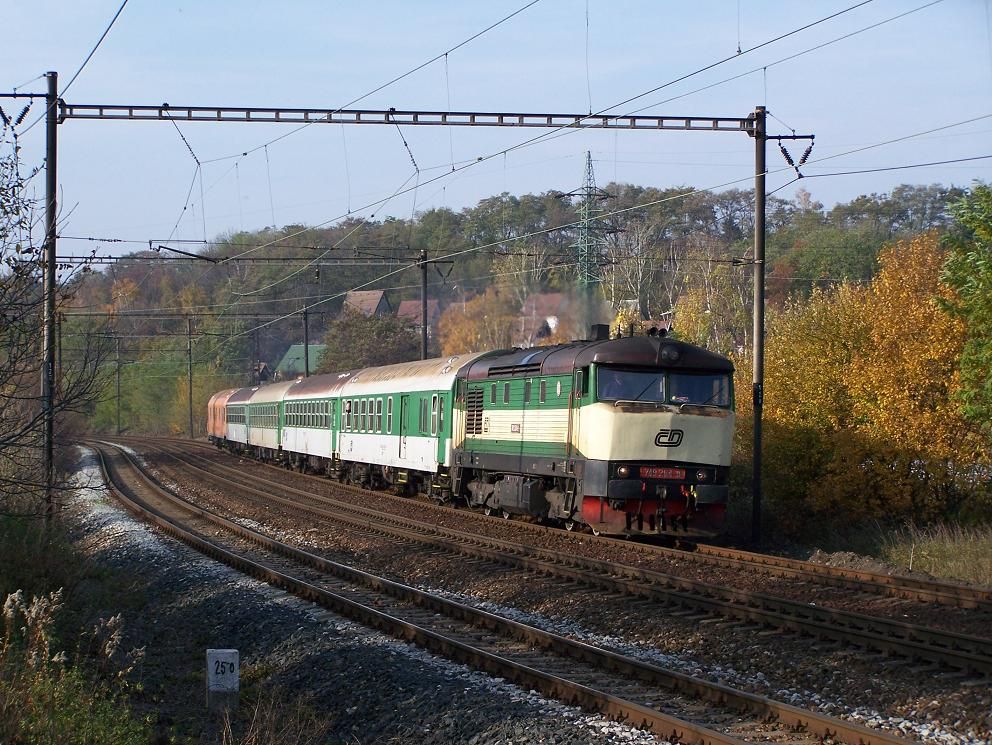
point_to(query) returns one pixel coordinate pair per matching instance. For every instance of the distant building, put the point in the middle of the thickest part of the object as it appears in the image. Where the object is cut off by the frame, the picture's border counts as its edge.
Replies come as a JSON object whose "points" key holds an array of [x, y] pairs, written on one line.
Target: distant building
{"points": [[368, 302], [410, 310], [291, 364]]}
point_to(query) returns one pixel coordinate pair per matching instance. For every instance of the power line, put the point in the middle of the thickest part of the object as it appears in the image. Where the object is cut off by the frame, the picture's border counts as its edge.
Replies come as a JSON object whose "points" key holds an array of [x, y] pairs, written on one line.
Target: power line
{"points": [[95, 47], [85, 62], [792, 57], [396, 79], [544, 136]]}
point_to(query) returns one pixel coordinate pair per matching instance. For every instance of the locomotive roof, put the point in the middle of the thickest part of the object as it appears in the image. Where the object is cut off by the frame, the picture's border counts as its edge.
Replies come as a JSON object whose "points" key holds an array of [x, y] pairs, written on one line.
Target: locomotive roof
{"points": [[633, 351]]}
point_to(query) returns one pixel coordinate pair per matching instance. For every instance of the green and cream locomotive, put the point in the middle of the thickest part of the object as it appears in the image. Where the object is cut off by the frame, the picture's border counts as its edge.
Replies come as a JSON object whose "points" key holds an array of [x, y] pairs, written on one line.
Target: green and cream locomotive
{"points": [[629, 436]]}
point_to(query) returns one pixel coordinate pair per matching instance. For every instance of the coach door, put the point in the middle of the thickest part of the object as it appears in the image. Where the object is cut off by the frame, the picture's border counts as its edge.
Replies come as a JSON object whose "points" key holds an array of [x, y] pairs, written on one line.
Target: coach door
{"points": [[404, 424]]}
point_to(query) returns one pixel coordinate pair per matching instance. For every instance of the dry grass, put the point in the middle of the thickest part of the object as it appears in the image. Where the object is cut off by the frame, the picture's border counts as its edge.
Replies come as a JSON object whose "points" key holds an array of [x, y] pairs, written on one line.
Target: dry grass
{"points": [[277, 718], [946, 551], [46, 699]]}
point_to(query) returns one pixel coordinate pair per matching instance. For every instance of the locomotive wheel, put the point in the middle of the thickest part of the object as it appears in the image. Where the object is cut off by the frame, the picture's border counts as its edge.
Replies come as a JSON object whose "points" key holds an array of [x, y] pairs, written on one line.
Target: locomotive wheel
{"points": [[570, 525], [594, 531], [488, 511], [506, 515]]}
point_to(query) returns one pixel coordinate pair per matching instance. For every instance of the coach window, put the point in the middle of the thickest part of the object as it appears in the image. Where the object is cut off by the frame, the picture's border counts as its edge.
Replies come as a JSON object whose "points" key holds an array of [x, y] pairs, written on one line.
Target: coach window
{"points": [[492, 393], [363, 422], [440, 414], [347, 414], [543, 395], [434, 414], [506, 393], [378, 415], [389, 415], [527, 391]]}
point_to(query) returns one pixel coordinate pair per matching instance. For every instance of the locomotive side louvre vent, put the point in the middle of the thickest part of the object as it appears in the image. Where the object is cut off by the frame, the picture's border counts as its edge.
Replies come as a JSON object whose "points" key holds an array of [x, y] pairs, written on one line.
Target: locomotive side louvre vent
{"points": [[531, 369], [473, 411]]}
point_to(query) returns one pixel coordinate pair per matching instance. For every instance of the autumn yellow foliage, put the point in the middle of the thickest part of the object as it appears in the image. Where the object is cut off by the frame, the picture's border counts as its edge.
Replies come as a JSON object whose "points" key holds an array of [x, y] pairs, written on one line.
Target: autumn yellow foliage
{"points": [[482, 323], [860, 417]]}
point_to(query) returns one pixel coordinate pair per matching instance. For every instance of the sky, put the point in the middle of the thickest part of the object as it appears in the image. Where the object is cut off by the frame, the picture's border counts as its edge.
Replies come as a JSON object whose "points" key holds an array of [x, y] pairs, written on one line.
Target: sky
{"points": [[879, 91]]}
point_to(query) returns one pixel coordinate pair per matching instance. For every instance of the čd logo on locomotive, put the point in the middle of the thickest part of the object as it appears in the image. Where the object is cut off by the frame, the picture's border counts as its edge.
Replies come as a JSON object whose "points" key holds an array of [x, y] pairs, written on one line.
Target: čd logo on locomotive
{"points": [[668, 438]]}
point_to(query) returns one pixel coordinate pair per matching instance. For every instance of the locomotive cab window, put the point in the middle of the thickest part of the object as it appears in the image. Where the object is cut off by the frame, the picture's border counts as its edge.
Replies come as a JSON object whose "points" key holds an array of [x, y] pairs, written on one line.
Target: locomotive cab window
{"points": [[506, 393], [527, 386], [700, 389], [543, 393], [630, 385]]}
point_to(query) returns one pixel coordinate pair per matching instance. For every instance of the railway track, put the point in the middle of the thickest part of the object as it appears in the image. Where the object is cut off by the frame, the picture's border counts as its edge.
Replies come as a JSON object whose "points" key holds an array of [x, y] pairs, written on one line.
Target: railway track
{"points": [[667, 703], [897, 586], [900, 642]]}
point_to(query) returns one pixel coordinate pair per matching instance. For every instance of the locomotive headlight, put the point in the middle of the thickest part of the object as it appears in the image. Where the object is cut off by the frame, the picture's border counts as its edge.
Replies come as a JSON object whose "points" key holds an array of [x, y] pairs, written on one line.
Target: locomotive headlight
{"points": [[623, 471], [670, 353], [702, 475]]}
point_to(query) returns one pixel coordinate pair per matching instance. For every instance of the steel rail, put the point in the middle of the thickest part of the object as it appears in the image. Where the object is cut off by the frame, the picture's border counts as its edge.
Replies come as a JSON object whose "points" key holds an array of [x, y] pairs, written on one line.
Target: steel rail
{"points": [[615, 706], [909, 588], [895, 585], [963, 652]]}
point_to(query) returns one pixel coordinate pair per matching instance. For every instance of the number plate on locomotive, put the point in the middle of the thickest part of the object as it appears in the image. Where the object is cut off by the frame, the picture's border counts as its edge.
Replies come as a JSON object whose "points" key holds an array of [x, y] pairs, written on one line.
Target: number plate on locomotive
{"points": [[655, 472]]}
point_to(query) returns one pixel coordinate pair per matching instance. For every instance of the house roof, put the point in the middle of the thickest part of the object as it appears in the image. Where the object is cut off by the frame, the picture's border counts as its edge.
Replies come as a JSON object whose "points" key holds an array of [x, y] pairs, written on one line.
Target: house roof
{"points": [[367, 302], [292, 361], [410, 310]]}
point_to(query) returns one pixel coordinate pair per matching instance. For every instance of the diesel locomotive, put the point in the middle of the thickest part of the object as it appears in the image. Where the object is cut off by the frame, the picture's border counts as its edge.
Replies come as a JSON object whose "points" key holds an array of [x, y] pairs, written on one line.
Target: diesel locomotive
{"points": [[625, 436]]}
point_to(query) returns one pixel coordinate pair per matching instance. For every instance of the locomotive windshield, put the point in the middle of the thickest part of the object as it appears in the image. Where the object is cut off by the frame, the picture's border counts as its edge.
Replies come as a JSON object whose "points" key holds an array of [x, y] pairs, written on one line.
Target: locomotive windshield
{"points": [[628, 385], [703, 389]]}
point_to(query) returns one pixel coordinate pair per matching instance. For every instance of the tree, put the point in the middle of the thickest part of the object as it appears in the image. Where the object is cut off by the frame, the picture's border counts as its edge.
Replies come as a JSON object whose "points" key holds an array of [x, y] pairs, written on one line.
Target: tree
{"points": [[355, 340], [485, 322], [23, 477], [861, 416], [969, 271]]}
